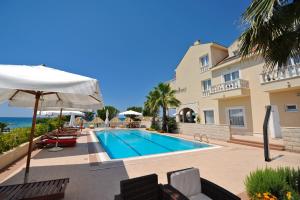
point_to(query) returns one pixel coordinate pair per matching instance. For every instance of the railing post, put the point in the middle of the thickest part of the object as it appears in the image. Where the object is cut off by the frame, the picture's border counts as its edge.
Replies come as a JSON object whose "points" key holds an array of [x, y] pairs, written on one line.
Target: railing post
{"points": [[263, 78]]}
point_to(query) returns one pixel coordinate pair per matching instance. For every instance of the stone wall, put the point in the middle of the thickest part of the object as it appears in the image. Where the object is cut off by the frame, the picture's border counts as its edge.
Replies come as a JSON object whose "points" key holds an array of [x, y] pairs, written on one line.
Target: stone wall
{"points": [[11, 156], [218, 132], [291, 138], [146, 124]]}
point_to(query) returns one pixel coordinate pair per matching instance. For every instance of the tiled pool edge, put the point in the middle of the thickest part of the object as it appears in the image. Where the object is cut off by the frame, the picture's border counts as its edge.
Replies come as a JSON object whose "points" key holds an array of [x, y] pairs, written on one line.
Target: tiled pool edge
{"points": [[104, 157]]}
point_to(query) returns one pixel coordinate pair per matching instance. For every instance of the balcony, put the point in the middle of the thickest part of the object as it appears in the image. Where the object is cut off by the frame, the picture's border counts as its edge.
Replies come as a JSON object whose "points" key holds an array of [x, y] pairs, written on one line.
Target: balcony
{"points": [[206, 93], [205, 68], [281, 79], [229, 89]]}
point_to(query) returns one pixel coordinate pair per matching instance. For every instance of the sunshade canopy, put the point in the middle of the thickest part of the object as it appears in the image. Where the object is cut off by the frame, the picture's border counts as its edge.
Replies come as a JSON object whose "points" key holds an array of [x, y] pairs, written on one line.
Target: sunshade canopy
{"points": [[130, 112], [40, 86], [115, 119], [127, 119], [64, 112], [78, 120], [97, 120], [58, 88]]}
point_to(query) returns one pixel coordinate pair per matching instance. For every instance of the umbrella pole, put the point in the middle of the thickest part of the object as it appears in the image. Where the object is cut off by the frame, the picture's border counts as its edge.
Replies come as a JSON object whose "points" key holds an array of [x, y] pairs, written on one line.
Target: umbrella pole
{"points": [[59, 119], [37, 99], [57, 148], [59, 128]]}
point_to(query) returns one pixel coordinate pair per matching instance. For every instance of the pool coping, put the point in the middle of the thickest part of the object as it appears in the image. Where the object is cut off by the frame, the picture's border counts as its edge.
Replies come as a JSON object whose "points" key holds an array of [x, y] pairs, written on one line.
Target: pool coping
{"points": [[104, 157]]}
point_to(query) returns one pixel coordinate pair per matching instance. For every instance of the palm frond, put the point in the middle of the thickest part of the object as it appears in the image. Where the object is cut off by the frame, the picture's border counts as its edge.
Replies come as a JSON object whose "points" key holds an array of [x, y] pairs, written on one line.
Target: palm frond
{"points": [[273, 32]]}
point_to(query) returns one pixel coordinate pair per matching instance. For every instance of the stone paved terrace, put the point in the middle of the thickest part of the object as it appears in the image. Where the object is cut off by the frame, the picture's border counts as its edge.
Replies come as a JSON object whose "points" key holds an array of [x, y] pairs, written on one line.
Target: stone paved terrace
{"points": [[226, 166]]}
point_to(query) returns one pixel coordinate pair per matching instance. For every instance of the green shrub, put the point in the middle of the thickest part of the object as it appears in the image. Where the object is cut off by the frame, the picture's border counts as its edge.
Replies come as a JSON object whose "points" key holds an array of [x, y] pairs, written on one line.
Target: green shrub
{"points": [[20, 135], [150, 129], [278, 182], [155, 126], [172, 124], [291, 176]]}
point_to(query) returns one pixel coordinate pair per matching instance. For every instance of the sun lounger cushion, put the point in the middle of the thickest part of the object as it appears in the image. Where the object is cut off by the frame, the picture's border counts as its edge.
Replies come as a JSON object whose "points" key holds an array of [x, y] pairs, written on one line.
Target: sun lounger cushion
{"points": [[199, 196], [187, 181]]}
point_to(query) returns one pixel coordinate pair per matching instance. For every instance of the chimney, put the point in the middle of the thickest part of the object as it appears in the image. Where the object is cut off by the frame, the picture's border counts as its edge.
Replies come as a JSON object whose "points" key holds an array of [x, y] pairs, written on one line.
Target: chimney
{"points": [[197, 42]]}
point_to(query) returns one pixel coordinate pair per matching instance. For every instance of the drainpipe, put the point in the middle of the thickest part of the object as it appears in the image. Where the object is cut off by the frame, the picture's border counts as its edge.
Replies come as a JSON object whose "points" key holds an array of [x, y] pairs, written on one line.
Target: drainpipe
{"points": [[265, 134]]}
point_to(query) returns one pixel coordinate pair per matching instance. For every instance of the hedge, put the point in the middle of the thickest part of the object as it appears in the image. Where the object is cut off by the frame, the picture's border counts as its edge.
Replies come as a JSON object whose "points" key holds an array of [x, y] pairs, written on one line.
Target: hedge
{"points": [[20, 135]]}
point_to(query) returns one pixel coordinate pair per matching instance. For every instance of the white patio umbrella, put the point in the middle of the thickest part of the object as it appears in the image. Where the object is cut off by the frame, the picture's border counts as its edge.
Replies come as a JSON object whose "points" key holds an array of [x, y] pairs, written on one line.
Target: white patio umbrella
{"points": [[36, 86], [130, 112], [57, 112]]}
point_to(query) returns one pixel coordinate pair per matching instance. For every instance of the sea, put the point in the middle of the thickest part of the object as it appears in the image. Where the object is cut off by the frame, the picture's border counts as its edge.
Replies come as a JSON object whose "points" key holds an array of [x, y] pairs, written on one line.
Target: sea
{"points": [[17, 122]]}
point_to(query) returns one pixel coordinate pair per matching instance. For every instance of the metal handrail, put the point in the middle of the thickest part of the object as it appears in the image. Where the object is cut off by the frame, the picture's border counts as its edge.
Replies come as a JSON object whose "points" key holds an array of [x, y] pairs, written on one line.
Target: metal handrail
{"points": [[201, 136]]}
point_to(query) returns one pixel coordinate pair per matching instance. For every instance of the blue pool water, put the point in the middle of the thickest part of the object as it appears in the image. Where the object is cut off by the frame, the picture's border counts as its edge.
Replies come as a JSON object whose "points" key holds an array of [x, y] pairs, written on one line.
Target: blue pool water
{"points": [[131, 143]]}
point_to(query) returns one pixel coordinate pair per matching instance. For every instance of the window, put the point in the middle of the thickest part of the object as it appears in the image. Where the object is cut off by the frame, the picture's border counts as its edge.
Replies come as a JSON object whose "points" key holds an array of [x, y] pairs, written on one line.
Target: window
{"points": [[291, 108], [236, 117], [232, 76], [206, 85], [204, 61], [209, 117]]}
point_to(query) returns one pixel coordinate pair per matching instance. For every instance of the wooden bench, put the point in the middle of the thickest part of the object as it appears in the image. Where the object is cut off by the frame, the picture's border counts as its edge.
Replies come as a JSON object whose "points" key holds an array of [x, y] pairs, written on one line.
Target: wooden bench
{"points": [[51, 189]]}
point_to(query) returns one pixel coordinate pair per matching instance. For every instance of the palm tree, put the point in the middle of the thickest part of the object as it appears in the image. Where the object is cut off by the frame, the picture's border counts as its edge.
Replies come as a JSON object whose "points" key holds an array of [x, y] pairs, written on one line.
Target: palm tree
{"points": [[166, 98], [273, 31], [111, 110], [151, 104]]}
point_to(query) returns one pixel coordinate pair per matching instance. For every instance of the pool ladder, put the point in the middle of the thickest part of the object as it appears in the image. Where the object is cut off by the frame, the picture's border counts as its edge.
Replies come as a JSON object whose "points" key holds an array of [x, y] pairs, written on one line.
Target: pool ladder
{"points": [[200, 137]]}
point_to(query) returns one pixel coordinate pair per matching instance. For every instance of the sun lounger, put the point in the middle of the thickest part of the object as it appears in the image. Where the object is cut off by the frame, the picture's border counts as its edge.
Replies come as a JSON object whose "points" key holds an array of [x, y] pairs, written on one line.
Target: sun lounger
{"points": [[70, 129], [51, 140], [187, 184], [58, 136], [64, 133], [51, 189]]}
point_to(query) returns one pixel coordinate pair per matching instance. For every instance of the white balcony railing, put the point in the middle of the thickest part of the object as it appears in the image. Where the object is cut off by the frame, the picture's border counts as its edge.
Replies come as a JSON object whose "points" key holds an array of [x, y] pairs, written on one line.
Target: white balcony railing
{"points": [[205, 93], [205, 68], [229, 85], [281, 74]]}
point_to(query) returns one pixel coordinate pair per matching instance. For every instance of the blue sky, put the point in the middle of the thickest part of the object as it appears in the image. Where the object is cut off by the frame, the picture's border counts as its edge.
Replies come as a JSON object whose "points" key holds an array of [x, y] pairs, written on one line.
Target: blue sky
{"points": [[113, 40]]}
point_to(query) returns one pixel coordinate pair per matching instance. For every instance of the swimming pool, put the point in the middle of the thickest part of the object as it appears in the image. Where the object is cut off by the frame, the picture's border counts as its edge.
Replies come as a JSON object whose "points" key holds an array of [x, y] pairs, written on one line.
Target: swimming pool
{"points": [[120, 144]]}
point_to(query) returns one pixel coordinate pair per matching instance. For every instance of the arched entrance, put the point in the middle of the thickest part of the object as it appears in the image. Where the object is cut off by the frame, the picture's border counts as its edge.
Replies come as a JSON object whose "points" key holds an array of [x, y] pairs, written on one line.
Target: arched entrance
{"points": [[187, 115]]}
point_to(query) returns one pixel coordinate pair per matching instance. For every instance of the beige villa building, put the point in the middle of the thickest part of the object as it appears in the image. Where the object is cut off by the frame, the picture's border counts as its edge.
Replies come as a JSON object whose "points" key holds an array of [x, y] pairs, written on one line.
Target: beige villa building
{"points": [[216, 87]]}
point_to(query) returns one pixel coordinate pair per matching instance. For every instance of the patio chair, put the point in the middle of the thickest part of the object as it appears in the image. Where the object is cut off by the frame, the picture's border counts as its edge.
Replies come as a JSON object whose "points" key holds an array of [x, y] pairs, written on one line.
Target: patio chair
{"points": [[143, 188], [187, 184], [51, 189]]}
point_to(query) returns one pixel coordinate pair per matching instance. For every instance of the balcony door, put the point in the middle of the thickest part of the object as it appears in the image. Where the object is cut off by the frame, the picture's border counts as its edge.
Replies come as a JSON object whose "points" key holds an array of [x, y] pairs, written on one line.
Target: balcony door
{"points": [[236, 117], [231, 76]]}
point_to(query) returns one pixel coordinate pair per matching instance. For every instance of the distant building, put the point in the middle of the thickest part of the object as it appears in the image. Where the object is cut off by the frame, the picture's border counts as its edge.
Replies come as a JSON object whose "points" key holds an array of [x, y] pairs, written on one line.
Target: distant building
{"points": [[216, 87]]}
